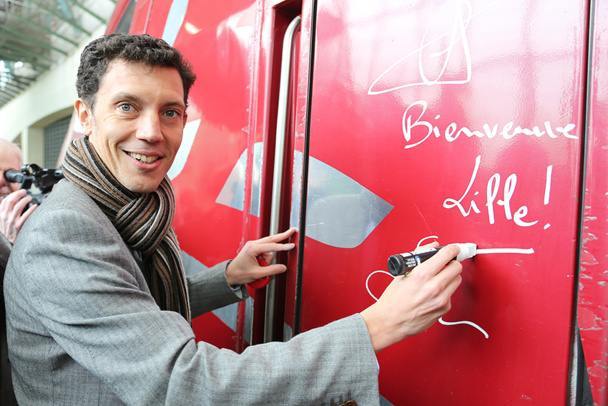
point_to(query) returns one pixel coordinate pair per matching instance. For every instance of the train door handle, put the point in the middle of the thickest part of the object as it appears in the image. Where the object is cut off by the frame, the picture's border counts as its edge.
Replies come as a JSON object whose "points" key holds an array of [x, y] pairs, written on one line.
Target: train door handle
{"points": [[279, 154]]}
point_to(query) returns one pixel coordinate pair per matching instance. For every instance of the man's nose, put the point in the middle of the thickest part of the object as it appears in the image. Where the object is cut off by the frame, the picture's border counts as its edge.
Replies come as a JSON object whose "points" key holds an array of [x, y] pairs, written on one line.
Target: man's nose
{"points": [[149, 128]]}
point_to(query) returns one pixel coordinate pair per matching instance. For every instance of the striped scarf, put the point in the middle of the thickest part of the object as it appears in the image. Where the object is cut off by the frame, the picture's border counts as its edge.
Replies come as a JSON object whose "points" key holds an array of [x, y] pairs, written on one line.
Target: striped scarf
{"points": [[142, 219]]}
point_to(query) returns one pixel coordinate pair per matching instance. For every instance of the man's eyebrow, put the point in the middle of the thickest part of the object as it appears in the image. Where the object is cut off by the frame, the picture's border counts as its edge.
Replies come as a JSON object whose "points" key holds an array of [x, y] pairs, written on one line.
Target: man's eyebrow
{"points": [[177, 103], [123, 96]]}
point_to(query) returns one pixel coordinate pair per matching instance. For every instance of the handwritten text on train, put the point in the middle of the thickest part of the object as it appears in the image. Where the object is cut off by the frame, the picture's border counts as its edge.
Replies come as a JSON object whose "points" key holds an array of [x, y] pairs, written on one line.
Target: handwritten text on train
{"points": [[497, 195], [417, 128]]}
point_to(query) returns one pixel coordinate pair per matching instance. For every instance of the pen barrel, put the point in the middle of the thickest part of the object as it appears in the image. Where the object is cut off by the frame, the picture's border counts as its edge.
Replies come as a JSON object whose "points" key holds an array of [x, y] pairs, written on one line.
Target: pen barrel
{"points": [[399, 264]]}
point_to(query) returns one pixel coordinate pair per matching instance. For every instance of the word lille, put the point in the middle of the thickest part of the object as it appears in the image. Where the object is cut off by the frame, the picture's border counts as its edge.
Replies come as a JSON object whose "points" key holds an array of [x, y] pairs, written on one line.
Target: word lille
{"points": [[492, 197]]}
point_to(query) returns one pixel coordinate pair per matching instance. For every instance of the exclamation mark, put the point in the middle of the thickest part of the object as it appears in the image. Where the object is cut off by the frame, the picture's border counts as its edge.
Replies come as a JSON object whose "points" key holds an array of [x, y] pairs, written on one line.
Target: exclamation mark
{"points": [[548, 190]]}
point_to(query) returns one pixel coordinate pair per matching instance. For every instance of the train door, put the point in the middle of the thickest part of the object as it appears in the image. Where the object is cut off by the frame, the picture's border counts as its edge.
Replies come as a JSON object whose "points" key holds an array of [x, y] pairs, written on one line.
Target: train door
{"points": [[456, 121]]}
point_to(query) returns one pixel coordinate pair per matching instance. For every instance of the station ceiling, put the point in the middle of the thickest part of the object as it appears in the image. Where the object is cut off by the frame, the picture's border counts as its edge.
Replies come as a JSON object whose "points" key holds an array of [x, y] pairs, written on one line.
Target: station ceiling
{"points": [[36, 35]]}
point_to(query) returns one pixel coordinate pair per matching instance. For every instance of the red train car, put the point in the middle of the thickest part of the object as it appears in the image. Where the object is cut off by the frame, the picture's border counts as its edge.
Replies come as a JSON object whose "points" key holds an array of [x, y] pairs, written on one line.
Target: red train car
{"points": [[373, 125]]}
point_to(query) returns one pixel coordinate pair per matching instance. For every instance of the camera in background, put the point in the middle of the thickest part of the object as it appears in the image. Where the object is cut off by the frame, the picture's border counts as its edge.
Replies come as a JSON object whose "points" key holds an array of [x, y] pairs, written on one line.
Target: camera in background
{"points": [[36, 180]]}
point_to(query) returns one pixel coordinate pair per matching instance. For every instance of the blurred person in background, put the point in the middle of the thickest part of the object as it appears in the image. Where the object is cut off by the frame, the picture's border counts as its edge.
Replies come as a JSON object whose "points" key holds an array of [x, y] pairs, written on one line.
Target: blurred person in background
{"points": [[13, 201]]}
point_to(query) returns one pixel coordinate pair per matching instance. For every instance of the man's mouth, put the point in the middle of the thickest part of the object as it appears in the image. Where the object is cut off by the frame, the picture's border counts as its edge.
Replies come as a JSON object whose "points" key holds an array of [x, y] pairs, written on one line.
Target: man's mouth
{"points": [[147, 159]]}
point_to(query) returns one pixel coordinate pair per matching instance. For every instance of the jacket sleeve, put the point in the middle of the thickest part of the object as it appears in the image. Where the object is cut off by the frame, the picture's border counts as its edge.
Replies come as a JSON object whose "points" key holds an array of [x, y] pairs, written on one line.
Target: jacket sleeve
{"points": [[209, 290], [85, 291]]}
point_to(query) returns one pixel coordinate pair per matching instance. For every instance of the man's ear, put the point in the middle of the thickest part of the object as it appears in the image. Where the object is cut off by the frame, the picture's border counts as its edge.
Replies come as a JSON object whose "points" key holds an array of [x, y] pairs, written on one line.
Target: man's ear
{"points": [[85, 115]]}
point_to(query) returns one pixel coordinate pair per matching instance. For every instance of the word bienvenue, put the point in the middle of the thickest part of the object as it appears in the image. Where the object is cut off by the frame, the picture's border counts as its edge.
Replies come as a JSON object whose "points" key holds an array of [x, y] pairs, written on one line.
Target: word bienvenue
{"points": [[417, 128]]}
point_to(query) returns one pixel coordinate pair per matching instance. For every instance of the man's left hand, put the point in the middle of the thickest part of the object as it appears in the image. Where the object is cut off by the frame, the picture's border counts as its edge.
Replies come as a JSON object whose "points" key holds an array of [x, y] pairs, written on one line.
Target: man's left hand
{"points": [[245, 268]]}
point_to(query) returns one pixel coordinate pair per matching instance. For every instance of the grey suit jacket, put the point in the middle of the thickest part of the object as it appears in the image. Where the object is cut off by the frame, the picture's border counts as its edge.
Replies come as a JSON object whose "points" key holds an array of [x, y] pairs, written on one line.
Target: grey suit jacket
{"points": [[83, 329]]}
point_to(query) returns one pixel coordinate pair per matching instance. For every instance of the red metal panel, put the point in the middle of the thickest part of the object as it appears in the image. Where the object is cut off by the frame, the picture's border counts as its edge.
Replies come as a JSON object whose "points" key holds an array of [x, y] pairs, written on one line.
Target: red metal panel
{"points": [[156, 16], [119, 10], [217, 38], [466, 117], [593, 278], [141, 15]]}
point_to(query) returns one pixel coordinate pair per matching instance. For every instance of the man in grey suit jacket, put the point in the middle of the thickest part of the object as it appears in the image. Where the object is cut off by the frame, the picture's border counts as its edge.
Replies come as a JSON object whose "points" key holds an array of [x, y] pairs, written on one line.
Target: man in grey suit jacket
{"points": [[98, 307]]}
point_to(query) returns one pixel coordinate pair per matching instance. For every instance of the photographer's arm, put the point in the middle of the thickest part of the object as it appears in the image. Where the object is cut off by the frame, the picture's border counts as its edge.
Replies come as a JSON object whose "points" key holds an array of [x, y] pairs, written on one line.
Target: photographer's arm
{"points": [[12, 214]]}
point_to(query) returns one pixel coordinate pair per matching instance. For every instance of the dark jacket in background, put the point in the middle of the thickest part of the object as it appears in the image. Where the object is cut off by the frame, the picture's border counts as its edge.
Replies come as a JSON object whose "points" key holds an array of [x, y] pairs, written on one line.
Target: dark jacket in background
{"points": [[7, 397]]}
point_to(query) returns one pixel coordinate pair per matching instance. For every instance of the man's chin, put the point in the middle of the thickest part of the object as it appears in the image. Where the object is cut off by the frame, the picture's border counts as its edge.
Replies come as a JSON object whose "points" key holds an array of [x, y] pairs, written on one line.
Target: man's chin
{"points": [[143, 187]]}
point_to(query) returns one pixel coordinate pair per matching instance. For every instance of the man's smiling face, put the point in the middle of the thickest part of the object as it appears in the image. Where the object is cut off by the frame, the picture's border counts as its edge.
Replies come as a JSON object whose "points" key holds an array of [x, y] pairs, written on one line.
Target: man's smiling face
{"points": [[136, 122]]}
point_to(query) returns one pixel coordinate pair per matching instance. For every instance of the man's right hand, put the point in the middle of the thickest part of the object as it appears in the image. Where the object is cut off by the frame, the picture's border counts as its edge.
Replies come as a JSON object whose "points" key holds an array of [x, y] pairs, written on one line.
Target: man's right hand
{"points": [[411, 304], [12, 215]]}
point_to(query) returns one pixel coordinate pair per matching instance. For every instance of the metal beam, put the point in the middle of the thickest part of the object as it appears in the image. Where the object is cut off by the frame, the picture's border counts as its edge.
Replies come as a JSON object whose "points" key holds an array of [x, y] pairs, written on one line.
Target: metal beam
{"points": [[19, 52], [9, 56], [20, 45], [12, 84], [65, 9], [19, 49], [39, 69], [6, 93], [20, 36], [13, 87], [44, 28], [89, 11], [43, 6], [5, 100], [7, 96], [22, 80], [21, 85]]}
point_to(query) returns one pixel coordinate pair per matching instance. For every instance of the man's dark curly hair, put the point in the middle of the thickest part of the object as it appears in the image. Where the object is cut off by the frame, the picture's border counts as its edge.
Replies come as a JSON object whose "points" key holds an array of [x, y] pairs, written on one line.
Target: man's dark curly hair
{"points": [[144, 49]]}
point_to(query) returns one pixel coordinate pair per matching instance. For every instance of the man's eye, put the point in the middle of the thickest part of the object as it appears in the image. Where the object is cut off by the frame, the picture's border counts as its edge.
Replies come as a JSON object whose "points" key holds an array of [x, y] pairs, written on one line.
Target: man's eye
{"points": [[125, 107], [172, 113]]}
